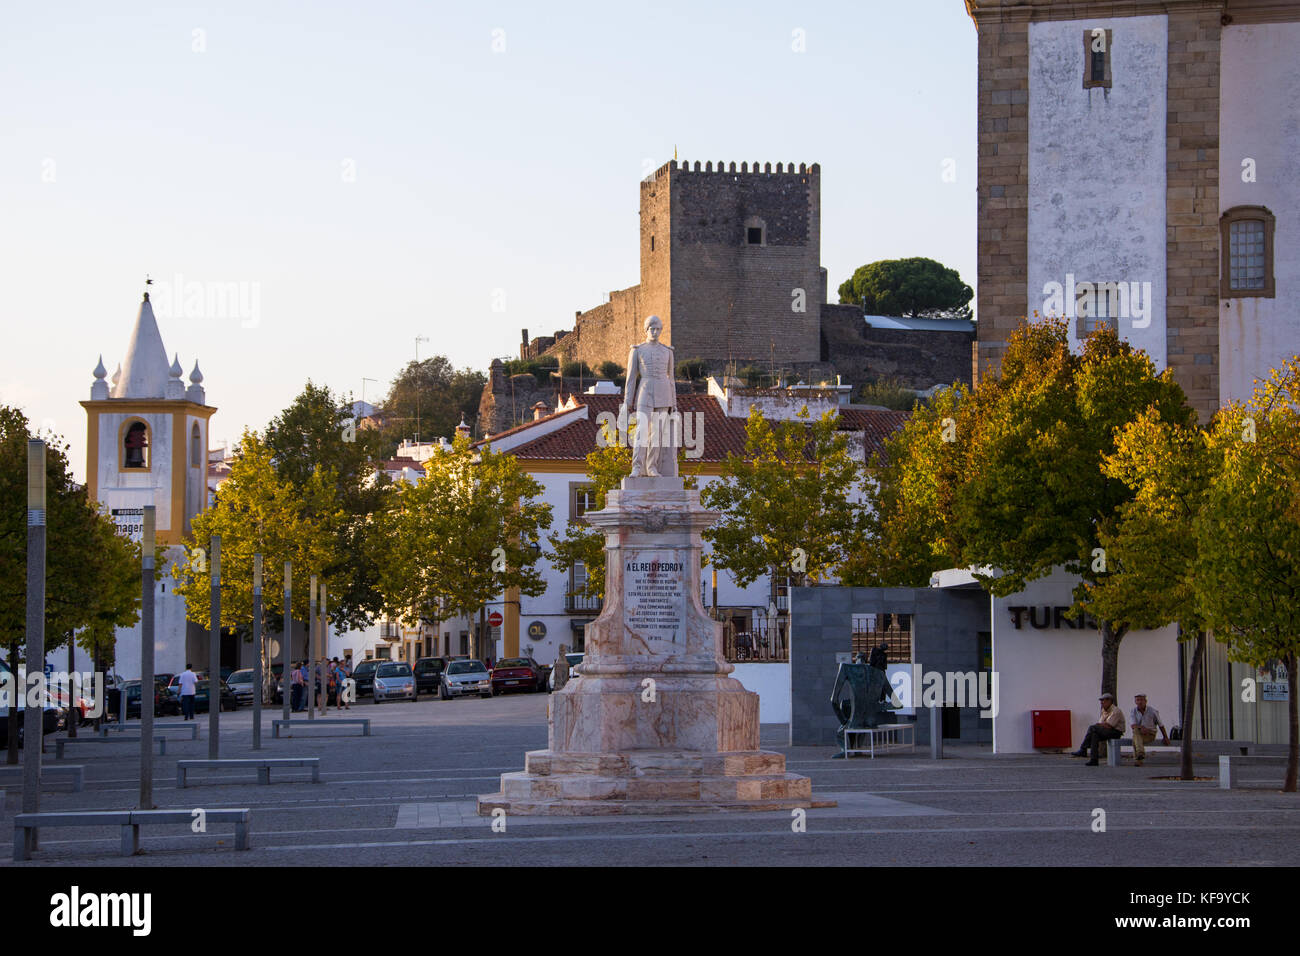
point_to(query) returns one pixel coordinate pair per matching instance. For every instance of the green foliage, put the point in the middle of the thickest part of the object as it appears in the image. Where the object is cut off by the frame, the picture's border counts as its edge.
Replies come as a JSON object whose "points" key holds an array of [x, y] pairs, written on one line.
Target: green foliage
{"points": [[431, 397], [540, 368], [1247, 575], [611, 370], [92, 575], [692, 369], [259, 509], [1008, 478], [788, 504], [578, 370], [313, 439], [888, 393], [906, 529], [754, 377], [1151, 546], [462, 535], [908, 287]]}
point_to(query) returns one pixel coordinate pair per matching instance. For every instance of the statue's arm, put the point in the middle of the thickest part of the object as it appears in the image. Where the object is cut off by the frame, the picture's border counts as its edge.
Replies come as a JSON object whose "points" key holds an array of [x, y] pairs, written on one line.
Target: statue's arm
{"points": [[672, 369], [629, 386]]}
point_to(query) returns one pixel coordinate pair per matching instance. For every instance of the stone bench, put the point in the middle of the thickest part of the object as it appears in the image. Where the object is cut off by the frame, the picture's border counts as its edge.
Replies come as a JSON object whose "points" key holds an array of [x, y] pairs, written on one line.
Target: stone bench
{"points": [[28, 825], [263, 765], [1126, 743], [62, 742], [362, 722], [1229, 765], [75, 771], [192, 727]]}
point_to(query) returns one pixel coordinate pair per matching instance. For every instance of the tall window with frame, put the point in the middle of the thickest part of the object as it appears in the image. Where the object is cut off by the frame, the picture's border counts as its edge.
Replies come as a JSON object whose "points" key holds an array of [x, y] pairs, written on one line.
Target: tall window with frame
{"points": [[582, 498], [1246, 239], [1097, 58]]}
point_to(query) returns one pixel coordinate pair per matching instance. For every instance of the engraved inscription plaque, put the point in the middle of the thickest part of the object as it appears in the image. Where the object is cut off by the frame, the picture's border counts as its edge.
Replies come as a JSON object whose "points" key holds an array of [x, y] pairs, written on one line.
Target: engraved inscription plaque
{"points": [[654, 594]]}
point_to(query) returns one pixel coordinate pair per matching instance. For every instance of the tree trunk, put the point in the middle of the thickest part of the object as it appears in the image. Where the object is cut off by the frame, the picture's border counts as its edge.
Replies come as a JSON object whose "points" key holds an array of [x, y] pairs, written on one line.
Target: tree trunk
{"points": [[1293, 715], [12, 720], [1110, 639], [1189, 707]]}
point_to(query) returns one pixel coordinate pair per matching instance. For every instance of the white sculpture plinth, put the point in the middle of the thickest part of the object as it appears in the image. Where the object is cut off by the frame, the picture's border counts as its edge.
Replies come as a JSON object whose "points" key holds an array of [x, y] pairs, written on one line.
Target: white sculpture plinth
{"points": [[654, 724]]}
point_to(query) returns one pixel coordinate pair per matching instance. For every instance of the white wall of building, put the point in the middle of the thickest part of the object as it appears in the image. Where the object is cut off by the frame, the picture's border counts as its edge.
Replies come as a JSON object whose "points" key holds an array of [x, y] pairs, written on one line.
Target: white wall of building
{"points": [[771, 682], [1097, 166], [1259, 119], [1060, 668]]}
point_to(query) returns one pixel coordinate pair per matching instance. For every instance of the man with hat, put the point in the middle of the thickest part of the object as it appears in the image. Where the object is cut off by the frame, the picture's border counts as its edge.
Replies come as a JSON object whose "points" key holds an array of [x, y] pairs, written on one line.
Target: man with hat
{"points": [[1109, 727]]}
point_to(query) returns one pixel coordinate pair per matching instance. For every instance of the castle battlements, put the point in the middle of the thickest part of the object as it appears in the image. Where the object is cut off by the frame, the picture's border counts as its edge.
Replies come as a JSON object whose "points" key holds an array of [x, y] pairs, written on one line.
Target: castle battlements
{"points": [[782, 169]]}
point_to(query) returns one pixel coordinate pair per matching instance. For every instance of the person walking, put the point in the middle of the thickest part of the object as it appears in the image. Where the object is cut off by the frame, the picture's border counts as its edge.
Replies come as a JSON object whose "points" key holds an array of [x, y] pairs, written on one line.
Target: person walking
{"points": [[1109, 727], [189, 682]]}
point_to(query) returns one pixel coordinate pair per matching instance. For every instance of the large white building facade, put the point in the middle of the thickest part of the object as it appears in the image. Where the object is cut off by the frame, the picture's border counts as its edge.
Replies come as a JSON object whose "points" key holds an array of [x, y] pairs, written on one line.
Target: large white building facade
{"points": [[1139, 165]]}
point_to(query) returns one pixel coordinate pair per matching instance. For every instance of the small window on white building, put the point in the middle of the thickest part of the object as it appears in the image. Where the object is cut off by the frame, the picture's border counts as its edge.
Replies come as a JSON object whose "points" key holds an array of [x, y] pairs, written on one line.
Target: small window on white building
{"points": [[196, 450], [1246, 236]]}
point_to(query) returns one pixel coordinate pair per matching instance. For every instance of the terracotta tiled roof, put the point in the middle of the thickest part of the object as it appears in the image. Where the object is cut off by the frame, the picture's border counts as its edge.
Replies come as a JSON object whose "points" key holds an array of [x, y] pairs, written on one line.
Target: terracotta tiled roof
{"points": [[722, 435]]}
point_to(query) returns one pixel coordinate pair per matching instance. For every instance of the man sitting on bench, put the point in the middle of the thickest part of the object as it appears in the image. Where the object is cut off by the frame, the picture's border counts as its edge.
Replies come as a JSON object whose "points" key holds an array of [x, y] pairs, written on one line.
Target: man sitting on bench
{"points": [[1144, 720], [1109, 727]]}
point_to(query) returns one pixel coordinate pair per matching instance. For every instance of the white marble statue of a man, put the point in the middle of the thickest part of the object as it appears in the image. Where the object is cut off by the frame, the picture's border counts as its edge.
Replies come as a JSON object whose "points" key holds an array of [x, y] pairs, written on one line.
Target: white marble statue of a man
{"points": [[652, 395]]}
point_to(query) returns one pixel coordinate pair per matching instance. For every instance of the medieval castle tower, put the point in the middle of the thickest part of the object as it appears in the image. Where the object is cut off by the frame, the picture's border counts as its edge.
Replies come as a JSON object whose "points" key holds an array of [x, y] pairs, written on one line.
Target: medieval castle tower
{"points": [[729, 261]]}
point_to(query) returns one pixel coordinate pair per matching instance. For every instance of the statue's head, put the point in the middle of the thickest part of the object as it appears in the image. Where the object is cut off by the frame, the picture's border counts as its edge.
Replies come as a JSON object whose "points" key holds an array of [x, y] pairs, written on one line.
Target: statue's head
{"points": [[653, 326]]}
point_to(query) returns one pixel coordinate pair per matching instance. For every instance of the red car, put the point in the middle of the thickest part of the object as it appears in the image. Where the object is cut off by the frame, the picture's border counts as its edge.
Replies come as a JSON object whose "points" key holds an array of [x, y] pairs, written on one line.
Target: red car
{"points": [[517, 673]]}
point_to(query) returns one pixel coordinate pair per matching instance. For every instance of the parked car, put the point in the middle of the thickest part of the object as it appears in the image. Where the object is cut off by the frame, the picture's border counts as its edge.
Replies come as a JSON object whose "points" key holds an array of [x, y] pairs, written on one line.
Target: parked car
{"points": [[465, 677], [393, 680], [241, 684], [163, 703], [228, 699], [53, 719], [364, 675], [428, 674], [574, 660], [517, 673]]}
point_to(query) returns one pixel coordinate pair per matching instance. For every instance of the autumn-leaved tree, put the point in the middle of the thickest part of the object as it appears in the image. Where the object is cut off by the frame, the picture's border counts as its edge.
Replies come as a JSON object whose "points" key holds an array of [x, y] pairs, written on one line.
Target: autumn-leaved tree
{"points": [[789, 505], [1247, 576], [316, 438], [909, 491], [1151, 547], [469, 530], [579, 543], [1034, 497], [258, 510]]}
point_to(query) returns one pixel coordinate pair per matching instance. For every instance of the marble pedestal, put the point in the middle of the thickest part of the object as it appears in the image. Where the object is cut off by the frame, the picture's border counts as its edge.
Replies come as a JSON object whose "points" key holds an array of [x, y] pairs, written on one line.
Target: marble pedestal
{"points": [[653, 724]]}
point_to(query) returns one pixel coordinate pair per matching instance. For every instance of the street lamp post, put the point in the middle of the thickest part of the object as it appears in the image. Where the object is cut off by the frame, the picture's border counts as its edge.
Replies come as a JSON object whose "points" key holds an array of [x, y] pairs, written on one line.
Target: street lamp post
{"points": [[214, 653], [33, 731], [257, 657], [147, 539]]}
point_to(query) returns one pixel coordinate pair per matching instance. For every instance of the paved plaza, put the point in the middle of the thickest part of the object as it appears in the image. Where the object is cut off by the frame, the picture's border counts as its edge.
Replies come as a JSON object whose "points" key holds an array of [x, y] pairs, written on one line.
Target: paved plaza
{"points": [[405, 795]]}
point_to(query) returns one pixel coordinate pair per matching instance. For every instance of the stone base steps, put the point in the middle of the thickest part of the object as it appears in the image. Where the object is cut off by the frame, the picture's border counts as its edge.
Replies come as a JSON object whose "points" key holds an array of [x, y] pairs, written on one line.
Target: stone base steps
{"points": [[596, 808], [649, 782]]}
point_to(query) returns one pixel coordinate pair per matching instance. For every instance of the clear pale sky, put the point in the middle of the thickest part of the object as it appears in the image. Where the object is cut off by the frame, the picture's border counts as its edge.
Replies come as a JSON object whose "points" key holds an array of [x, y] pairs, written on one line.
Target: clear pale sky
{"points": [[130, 144]]}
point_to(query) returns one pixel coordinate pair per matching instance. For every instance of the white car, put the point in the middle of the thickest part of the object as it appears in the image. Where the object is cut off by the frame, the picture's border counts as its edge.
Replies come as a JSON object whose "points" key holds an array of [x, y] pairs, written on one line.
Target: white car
{"points": [[394, 680], [574, 660], [466, 677], [241, 682]]}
